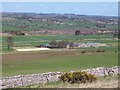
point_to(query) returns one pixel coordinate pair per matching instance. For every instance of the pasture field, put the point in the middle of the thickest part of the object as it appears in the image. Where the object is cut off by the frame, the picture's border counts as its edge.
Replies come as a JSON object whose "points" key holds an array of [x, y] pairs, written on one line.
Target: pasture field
{"points": [[64, 22], [31, 41], [42, 28], [40, 62], [15, 63], [55, 37]]}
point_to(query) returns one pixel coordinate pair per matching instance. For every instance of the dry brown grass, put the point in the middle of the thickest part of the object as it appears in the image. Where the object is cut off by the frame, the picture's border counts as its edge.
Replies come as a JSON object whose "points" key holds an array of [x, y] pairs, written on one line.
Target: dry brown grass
{"points": [[99, 84], [108, 82]]}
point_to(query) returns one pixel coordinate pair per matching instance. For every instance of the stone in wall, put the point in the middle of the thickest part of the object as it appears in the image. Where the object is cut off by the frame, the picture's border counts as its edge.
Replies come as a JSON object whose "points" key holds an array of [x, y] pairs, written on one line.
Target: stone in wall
{"points": [[25, 80]]}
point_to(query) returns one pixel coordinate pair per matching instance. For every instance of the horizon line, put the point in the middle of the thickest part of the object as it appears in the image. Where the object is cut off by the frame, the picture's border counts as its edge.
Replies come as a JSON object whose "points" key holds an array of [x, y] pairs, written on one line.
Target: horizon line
{"points": [[61, 13]]}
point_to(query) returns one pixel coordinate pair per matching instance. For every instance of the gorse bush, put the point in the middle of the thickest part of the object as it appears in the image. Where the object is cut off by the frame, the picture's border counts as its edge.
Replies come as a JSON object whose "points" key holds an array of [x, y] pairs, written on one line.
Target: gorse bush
{"points": [[77, 77]]}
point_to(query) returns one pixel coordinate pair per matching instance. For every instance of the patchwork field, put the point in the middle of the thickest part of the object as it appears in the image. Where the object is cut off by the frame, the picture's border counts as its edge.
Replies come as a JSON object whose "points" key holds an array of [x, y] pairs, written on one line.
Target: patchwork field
{"points": [[15, 63], [31, 41]]}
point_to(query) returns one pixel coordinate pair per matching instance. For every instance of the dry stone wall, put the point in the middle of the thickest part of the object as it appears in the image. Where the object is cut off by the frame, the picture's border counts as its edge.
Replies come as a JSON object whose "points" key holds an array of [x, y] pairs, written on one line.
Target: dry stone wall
{"points": [[101, 71], [25, 80]]}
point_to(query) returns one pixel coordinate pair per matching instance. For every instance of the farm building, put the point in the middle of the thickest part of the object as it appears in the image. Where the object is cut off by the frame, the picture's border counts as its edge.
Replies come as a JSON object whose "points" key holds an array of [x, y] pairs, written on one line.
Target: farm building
{"points": [[89, 44]]}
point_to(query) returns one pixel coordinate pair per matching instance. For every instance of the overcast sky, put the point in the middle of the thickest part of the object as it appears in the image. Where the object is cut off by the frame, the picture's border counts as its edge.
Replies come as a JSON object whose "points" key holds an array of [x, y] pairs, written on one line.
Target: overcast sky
{"points": [[82, 8]]}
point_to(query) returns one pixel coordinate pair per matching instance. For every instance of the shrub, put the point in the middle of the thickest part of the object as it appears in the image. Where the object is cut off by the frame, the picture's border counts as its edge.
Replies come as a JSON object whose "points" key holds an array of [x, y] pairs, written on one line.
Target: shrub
{"points": [[98, 51], [103, 51], [77, 77], [83, 52]]}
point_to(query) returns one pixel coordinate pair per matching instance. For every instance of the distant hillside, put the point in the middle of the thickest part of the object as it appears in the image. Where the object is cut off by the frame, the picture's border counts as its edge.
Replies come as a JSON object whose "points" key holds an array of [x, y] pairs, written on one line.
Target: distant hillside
{"points": [[36, 22]]}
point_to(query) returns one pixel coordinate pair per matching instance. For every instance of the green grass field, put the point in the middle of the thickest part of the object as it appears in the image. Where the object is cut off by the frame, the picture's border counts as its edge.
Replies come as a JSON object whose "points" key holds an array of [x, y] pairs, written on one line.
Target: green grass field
{"points": [[65, 24], [58, 62], [28, 41], [56, 37]]}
